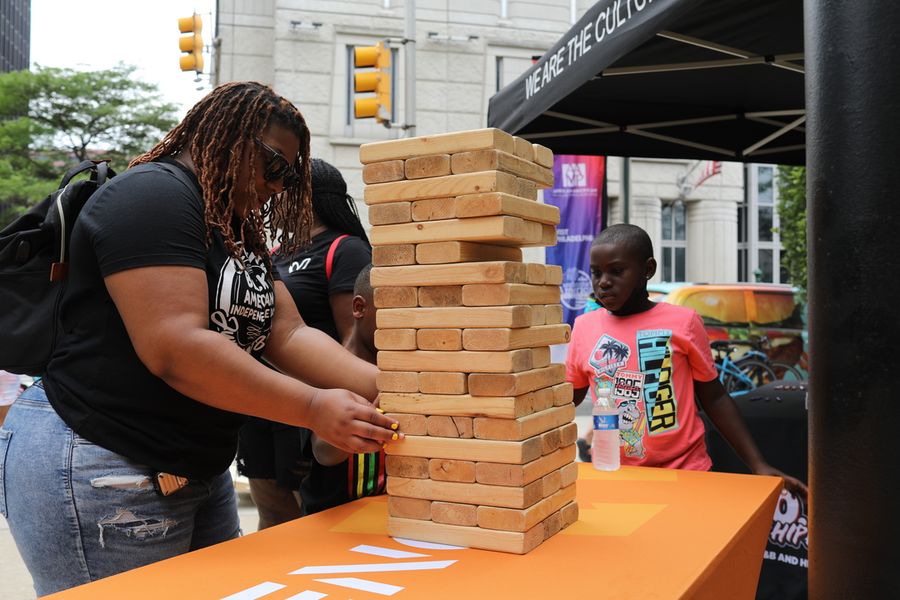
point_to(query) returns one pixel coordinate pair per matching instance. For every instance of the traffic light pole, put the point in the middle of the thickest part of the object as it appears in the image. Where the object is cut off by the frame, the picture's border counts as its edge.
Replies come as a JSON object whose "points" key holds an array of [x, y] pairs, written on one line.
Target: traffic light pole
{"points": [[410, 68]]}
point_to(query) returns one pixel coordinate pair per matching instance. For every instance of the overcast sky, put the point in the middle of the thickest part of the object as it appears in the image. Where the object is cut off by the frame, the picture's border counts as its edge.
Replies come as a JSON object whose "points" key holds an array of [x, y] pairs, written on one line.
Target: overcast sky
{"points": [[95, 35]]}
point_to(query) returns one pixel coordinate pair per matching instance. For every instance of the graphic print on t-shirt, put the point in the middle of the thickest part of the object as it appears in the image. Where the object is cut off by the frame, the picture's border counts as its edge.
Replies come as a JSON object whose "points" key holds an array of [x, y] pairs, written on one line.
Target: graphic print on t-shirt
{"points": [[655, 361], [628, 387], [244, 302], [608, 355]]}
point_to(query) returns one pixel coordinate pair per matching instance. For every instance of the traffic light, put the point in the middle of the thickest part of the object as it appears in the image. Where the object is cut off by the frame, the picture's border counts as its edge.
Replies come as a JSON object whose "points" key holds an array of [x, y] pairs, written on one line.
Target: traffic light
{"points": [[191, 44], [379, 80]]}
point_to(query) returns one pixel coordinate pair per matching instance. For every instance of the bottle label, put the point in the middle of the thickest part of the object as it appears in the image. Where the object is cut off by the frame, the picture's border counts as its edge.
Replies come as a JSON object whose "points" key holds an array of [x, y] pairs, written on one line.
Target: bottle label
{"points": [[606, 422]]}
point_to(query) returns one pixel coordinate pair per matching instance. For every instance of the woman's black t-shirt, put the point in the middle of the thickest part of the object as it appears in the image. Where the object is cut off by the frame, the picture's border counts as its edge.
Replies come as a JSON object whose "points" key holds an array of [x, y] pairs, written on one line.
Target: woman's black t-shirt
{"points": [[151, 215]]}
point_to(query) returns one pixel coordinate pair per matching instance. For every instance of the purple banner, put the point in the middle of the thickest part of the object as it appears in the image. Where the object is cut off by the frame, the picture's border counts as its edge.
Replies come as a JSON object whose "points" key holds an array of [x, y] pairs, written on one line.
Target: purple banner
{"points": [[578, 192]]}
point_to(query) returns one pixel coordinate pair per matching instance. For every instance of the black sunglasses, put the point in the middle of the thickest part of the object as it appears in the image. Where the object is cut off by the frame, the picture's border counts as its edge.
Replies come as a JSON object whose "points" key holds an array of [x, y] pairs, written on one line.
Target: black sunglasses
{"points": [[278, 167]]}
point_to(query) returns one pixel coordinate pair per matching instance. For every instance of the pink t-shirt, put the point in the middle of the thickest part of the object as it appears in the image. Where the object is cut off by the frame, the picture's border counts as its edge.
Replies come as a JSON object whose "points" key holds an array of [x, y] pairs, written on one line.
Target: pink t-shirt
{"points": [[650, 360]]}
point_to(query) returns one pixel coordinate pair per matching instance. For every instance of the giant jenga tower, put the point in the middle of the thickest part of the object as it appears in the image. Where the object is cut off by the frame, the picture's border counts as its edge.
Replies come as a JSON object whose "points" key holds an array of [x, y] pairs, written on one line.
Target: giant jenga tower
{"points": [[463, 335]]}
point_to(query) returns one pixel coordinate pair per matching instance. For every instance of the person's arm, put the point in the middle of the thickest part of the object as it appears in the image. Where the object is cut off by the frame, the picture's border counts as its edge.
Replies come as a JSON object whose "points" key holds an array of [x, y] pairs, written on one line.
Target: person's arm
{"points": [[725, 415], [342, 313], [166, 313], [311, 355], [326, 454], [578, 395]]}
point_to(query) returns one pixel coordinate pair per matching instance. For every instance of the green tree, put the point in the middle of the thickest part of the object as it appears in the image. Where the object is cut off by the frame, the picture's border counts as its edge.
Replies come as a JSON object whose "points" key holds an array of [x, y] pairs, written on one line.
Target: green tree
{"points": [[52, 118], [792, 216]]}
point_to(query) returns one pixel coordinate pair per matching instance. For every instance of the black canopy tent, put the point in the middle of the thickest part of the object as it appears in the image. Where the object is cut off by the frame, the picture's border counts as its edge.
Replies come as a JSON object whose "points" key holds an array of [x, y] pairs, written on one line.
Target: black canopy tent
{"points": [[698, 79]]}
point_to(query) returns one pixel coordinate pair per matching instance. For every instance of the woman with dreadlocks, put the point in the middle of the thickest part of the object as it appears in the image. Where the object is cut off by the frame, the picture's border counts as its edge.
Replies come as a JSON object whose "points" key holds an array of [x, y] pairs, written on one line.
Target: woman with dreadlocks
{"points": [[119, 457], [320, 278]]}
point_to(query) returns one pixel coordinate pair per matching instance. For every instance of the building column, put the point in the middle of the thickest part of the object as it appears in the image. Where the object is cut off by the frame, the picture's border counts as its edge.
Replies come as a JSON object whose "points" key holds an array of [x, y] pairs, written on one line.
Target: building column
{"points": [[852, 152], [646, 213], [711, 241]]}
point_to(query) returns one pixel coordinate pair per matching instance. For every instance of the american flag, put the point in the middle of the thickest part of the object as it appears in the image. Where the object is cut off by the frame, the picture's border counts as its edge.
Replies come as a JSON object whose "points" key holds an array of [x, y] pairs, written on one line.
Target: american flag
{"points": [[710, 168]]}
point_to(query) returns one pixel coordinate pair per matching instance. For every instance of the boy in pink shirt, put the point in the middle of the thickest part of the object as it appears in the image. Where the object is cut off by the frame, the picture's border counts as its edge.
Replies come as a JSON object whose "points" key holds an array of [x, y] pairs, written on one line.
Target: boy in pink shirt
{"points": [[655, 358]]}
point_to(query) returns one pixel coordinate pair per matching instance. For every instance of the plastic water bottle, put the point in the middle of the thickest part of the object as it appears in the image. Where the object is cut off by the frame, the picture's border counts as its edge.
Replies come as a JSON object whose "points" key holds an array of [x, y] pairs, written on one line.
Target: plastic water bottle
{"points": [[605, 443]]}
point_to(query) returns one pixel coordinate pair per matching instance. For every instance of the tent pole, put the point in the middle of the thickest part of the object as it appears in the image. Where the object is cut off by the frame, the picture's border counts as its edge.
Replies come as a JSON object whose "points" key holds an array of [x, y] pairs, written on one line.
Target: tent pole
{"points": [[852, 100], [625, 188]]}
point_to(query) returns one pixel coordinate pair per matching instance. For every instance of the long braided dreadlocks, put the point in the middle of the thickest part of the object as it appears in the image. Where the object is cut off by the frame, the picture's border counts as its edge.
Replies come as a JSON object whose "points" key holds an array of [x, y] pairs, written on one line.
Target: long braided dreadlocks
{"points": [[334, 207], [219, 133]]}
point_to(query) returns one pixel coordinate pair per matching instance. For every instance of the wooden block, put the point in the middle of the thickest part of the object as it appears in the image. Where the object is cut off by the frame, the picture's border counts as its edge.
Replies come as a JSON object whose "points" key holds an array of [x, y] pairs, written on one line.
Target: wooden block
{"points": [[411, 467], [440, 295], [395, 296], [409, 508], [516, 453], [452, 427], [552, 525], [525, 188], [550, 483], [568, 434], [562, 394], [568, 474], [569, 514], [469, 493], [509, 339], [397, 381], [499, 230], [454, 274], [485, 205], [440, 187], [553, 314], [512, 361], [444, 317], [524, 149], [496, 294], [486, 161], [381, 172], [535, 273], [432, 165], [553, 275], [493, 473], [540, 357], [439, 339], [524, 427], [464, 405], [538, 315], [453, 513], [548, 236], [506, 519], [442, 383], [433, 253], [444, 143], [395, 339], [442, 469], [513, 542], [398, 254], [551, 441], [390, 213], [433, 209], [410, 424], [543, 156], [515, 384]]}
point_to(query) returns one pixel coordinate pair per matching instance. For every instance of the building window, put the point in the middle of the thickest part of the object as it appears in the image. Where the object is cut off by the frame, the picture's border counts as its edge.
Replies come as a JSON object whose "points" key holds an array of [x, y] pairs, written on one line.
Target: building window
{"points": [[674, 242], [759, 245]]}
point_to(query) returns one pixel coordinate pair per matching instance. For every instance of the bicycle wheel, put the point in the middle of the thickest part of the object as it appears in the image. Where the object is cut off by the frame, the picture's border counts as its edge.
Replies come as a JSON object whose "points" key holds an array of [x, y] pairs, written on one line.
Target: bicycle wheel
{"points": [[757, 371], [786, 372]]}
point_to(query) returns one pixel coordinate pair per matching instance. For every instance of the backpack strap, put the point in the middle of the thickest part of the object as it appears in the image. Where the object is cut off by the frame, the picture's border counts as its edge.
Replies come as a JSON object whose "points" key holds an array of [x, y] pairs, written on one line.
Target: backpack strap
{"points": [[329, 258]]}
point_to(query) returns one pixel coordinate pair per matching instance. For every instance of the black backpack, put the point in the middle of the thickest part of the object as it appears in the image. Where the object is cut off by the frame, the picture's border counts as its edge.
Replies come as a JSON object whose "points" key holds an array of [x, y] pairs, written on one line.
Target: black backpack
{"points": [[34, 254]]}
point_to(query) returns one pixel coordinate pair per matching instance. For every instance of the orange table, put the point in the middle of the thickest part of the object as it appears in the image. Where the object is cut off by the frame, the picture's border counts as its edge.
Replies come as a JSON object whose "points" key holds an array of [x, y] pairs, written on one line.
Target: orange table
{"points": [[642, 533]]}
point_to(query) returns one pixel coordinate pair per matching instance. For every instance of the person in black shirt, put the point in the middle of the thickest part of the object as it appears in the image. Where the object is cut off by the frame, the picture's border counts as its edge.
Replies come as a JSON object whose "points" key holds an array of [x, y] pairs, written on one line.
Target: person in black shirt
{"points": [[320, 279], [170, 305]]}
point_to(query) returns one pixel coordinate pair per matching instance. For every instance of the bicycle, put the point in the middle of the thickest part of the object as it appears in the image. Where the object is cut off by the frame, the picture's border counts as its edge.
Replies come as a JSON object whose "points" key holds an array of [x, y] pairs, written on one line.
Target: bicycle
{"points": [[742, 375]]}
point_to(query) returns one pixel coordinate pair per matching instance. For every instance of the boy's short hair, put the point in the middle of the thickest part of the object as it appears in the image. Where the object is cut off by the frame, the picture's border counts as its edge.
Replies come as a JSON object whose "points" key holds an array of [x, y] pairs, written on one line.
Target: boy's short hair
{"points": [[363, 285], [628, 235]]}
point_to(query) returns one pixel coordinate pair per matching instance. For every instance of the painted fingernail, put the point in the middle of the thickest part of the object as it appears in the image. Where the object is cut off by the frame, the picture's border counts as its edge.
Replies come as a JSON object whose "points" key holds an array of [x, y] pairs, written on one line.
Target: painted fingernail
{"points": [[379, 410], [395, 437], [394, 425], [384, 447]]}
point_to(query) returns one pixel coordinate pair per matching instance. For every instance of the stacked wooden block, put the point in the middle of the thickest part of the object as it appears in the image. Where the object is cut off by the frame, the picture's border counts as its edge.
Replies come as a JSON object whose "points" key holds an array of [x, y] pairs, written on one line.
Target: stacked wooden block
{"points": [[463, 335]]}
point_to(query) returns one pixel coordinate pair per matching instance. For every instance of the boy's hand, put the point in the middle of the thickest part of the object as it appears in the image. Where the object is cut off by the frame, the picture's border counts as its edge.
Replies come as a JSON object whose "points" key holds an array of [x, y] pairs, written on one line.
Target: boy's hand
{"points": [[791, 484], [349, 422]]}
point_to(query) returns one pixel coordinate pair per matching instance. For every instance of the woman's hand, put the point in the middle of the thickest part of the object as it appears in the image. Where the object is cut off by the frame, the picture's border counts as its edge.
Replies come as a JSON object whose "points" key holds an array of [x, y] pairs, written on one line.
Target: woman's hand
{"points": [[791, 484], [349, 422]]}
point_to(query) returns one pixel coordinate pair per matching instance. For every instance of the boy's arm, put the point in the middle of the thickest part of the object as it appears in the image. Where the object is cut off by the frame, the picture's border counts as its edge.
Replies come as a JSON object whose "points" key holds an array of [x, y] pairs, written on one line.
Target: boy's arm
{"points": [[578, 395], [726, 416], [326, 454]]}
